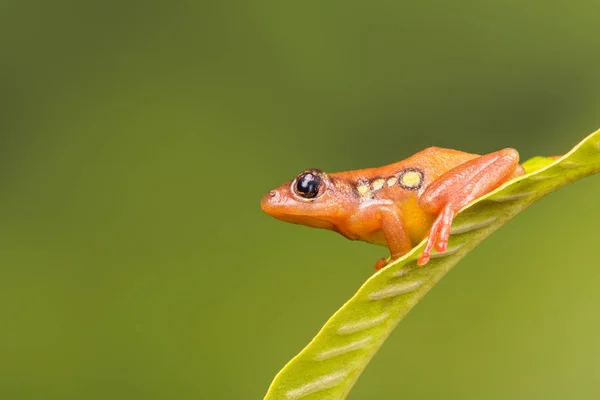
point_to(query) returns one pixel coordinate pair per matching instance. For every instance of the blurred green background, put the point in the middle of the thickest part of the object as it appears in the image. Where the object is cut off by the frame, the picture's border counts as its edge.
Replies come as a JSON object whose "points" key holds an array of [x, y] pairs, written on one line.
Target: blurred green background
{"points": [[138, 137]]}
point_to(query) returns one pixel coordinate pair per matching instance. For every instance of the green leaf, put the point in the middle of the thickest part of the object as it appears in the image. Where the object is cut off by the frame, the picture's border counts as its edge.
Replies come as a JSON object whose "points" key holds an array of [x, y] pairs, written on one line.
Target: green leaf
{"points": [[332, 362]]}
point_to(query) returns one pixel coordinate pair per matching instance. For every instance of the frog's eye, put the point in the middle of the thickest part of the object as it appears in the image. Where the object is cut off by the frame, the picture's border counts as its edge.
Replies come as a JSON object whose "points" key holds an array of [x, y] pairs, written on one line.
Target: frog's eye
{"points": [[308, 184]]}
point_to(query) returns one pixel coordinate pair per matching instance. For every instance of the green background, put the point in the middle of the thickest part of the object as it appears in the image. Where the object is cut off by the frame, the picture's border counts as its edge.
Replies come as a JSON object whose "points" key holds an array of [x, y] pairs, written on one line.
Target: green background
{"points": [[138, 137]]}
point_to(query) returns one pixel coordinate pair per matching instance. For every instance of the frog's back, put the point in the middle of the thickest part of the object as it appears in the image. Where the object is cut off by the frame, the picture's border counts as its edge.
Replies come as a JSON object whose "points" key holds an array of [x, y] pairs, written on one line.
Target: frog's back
{"points": [[425, 167], [433, 162]]}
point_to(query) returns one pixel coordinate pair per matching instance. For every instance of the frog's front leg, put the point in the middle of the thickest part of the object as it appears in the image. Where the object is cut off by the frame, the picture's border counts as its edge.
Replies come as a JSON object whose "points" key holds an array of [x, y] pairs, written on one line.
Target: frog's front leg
{"points": [[396, 236], [458, 187]]}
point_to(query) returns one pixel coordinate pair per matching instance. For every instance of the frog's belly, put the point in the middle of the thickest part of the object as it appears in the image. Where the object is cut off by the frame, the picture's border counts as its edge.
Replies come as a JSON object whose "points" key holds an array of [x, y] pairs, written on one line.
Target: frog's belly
{"points": [[416, 221]]}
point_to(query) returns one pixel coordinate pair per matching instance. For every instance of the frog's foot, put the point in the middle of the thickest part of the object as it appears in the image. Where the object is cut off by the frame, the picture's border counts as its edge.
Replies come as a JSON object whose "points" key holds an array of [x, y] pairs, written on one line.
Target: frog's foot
{"points": [[382, 262], [438, 234]]}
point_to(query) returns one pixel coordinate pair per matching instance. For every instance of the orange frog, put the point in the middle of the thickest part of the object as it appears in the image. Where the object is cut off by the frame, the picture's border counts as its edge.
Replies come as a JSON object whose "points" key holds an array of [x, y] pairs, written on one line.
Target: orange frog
{"points": [[396, 205]]}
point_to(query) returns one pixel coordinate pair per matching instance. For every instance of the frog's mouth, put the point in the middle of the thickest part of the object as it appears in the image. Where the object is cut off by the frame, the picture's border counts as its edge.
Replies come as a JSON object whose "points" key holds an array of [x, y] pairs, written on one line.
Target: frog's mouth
{"points": [[314, 222]]}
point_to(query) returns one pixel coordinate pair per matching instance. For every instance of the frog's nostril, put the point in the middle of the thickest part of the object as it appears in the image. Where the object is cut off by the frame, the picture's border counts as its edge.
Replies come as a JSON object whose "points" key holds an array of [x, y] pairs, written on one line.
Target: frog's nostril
{"points": [[269, 201]]}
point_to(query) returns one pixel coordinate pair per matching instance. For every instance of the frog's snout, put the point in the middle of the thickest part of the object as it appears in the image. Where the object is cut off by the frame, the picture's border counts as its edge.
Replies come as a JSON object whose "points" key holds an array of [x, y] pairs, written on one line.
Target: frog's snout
{"points": [[270, 201]]}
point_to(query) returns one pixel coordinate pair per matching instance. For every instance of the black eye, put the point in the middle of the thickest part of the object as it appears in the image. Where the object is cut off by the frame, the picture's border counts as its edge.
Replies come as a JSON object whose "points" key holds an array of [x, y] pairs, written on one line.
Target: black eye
{"points": [[308, 185]]}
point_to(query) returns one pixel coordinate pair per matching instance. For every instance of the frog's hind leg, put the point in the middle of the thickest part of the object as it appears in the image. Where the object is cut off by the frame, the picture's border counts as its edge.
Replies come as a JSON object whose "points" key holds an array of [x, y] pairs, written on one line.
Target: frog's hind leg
{"points": [[461, 185]]}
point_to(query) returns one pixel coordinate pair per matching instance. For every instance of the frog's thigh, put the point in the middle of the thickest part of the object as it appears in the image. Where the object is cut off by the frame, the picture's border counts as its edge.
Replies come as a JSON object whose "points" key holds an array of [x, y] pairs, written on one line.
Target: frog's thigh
{"points": [[463, 184]]}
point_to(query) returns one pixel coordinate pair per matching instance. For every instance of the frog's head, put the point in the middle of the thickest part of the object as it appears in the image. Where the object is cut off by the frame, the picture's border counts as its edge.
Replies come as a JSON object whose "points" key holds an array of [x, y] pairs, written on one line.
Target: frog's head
{"points": [[311, 199]]}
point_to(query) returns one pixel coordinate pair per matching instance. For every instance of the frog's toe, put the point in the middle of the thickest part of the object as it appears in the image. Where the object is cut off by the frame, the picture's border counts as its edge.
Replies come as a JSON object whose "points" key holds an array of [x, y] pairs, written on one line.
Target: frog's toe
{"points": [[424, 259], [380, 264], [441, 245]]}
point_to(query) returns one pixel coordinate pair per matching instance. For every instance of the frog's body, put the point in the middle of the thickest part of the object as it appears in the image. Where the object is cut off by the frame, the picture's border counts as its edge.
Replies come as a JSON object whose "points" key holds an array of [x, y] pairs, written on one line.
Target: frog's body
{"points": [[395, 205]]}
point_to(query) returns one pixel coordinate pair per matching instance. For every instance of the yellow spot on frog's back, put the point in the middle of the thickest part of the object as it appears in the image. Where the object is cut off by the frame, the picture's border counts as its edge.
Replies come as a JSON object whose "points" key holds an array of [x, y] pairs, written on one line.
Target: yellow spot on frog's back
{"points": [[411, 179], [378, 184], [392, 181], [362, 189]]}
